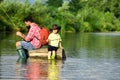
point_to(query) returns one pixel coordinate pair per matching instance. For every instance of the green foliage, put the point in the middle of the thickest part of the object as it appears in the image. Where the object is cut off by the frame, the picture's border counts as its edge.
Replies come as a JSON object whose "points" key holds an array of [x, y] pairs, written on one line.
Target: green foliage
{"points": [[75, 5], [75, 16], [39, 13], [1, 0], [55, 3], [13, 13]]}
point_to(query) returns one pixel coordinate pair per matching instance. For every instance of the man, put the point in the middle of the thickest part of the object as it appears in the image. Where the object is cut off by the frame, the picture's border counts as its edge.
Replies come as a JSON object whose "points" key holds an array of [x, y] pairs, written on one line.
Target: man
{"points": [[30, 41]]}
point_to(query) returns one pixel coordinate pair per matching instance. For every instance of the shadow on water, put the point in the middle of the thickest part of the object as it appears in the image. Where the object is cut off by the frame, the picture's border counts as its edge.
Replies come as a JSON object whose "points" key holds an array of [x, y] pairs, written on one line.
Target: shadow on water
{"points": [[38, 69]]}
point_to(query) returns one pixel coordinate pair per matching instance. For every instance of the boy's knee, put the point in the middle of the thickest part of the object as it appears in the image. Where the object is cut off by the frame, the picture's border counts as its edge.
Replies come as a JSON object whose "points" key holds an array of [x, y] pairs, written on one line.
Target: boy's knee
{"points": [[53, 51]]}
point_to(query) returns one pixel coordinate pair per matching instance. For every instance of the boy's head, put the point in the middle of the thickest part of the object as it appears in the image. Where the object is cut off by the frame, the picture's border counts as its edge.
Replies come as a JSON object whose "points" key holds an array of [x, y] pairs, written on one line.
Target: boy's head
{"points": [[56, 27]]}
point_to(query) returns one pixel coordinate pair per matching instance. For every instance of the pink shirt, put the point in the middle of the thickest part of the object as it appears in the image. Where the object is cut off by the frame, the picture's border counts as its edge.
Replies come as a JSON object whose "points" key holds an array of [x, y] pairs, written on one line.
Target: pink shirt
{"points": [[34, 35]]}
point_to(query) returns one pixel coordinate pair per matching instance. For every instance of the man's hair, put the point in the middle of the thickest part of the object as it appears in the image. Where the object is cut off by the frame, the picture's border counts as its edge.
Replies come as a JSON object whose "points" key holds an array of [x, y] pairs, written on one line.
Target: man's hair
{"points": [[29, 18]]}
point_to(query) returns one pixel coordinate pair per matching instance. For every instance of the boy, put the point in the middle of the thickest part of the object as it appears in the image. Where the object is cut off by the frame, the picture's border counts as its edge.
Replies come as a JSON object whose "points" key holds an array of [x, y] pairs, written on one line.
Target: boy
{"points": [[54, 41]]}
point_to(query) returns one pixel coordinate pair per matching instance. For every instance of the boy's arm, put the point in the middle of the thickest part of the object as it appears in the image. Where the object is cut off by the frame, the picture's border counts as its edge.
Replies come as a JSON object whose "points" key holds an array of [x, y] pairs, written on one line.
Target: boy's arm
{"points": [[60, 45]]}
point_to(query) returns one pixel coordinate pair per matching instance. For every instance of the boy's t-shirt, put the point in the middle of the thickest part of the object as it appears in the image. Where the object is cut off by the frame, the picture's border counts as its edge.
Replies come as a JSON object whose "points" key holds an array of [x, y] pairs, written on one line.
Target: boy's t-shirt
{"points": [[54, 39]]}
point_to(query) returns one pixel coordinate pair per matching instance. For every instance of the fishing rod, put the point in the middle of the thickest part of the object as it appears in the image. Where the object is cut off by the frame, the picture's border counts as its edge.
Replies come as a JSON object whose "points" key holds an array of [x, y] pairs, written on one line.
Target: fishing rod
{"points": [[8, 18], [7, 15]]}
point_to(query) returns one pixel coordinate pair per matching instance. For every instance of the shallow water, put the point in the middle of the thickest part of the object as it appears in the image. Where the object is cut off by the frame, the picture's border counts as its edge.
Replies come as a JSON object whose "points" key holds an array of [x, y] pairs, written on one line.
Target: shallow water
{"points": [[90, 56]]}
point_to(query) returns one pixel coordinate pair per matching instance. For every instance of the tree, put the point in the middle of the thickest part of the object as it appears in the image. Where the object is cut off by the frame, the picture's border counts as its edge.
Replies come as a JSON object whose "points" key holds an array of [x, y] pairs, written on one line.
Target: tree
{"points": [[55, 3], [1, 0], [75, 5]]}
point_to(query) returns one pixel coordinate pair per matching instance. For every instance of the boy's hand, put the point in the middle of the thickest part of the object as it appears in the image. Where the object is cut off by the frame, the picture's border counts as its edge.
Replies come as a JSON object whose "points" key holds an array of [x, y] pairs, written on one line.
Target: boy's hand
{"points": [[62, 47]]}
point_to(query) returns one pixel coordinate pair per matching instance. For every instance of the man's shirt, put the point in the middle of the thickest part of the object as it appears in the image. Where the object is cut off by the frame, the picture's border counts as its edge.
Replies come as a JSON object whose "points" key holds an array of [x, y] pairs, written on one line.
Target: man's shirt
{"points": [[34, 35]]}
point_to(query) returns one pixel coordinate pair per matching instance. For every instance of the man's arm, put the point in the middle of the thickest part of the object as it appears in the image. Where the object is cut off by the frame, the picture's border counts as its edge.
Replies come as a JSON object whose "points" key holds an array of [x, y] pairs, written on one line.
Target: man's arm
{"points": [[18, 33]]}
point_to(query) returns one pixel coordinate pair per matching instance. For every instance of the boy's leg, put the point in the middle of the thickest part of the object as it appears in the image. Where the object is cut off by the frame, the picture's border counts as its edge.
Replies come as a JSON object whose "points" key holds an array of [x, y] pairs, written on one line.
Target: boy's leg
{"points": [[49, 54], [53, 54], [49, 51]]}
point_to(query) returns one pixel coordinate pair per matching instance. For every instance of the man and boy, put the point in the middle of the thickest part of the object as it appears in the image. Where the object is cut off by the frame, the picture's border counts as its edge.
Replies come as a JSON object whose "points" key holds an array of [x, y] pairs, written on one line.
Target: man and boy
{"points": [[31, 41]]}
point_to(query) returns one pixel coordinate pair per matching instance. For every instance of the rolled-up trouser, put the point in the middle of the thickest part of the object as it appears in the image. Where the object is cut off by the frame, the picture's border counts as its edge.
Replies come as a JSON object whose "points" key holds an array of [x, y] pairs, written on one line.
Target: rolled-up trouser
{"points": [[24, 48], [27, 45]]}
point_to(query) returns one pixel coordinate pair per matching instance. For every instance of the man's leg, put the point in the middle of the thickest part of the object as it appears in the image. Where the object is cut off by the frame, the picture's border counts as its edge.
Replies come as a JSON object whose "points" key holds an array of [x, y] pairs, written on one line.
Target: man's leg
{"points": [[21, 51]]}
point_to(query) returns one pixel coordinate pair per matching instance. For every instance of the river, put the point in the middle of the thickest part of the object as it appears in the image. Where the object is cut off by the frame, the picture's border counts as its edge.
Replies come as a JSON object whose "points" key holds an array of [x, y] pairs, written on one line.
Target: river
{"points": [[90, 56]]}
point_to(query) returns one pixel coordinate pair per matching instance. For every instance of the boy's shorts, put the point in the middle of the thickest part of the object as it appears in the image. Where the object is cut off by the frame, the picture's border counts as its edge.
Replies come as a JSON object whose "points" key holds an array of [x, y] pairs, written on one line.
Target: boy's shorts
{"points": [[52, 48], [27, 45]]}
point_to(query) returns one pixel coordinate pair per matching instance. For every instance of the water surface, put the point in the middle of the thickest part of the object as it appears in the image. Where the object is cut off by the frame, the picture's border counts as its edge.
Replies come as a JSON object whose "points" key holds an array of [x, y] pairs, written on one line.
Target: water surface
{"points": [[90, 56]]}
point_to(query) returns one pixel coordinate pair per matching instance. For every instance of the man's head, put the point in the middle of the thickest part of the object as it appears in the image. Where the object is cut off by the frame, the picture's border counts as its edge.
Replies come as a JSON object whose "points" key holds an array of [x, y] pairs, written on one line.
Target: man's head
{"points": [[28, 20]]}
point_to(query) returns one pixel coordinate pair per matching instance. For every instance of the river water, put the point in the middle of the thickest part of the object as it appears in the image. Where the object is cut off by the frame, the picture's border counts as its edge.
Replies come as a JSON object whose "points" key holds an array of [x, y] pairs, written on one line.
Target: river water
{"points": [[90, 56]]}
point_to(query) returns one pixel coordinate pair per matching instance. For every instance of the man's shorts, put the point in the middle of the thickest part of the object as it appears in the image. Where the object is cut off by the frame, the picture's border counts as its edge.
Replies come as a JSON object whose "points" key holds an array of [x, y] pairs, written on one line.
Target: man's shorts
{"points": [[27, 45], [52, 48]]}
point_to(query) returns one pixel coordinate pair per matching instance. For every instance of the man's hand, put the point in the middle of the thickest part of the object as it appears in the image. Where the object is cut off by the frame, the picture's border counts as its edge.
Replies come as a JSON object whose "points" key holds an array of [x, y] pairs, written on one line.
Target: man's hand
{"points": [[18, 33]]}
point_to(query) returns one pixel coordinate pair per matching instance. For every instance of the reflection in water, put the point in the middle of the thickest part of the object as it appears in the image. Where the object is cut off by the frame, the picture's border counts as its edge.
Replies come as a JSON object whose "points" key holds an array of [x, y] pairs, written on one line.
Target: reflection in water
{"points": [[92, 45], [21, 60], [36, 69], [20, 67], [54, 70], [39, 69]]}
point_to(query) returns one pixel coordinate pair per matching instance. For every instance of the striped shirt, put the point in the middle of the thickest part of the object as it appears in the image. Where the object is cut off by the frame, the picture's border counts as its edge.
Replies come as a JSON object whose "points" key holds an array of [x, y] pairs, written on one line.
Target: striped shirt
{"points": [[34, 35]]}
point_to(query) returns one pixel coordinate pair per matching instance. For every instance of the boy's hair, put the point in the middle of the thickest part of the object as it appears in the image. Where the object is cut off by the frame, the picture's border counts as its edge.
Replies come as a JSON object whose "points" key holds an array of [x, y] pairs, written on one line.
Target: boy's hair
{"points": [[55, 26], [29, 18]]}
